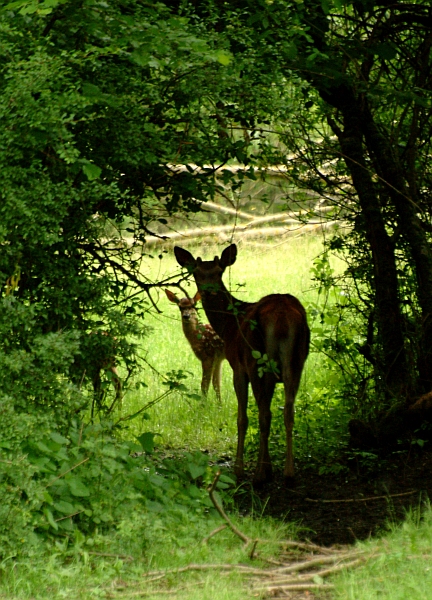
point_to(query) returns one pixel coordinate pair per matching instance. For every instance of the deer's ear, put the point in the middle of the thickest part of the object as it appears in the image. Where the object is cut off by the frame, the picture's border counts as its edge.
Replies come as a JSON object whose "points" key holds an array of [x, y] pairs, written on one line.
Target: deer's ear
{"points": [[184, 258], [228, 256], [171, 297], [196, 298]]}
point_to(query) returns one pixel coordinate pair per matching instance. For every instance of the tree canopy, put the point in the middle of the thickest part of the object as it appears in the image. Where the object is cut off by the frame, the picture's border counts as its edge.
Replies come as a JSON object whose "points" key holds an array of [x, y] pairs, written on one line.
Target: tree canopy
{"points": [[100, 101]]}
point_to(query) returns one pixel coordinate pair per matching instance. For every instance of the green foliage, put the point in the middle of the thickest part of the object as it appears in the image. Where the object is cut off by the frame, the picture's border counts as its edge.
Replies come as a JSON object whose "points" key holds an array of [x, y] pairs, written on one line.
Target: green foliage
{"points": [[74, 484]]}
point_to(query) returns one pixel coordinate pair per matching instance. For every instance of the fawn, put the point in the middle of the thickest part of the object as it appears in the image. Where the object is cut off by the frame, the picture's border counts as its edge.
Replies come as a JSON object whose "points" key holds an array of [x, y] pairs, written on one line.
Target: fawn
{"points": [[204, 341]]}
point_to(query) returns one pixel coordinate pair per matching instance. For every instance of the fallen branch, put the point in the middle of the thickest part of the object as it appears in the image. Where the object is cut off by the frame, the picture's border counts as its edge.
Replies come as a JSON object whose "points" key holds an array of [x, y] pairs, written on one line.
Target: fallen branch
{"points": [[208, 567], [120, 556], [314, 574], [214, 532], [247, 540], [300, 586], [362, 499], [312, 562]]}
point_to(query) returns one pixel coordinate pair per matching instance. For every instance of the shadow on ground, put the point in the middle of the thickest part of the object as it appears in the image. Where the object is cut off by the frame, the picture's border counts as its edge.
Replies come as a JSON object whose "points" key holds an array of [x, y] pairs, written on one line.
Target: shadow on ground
{"points": [[343, 508]]}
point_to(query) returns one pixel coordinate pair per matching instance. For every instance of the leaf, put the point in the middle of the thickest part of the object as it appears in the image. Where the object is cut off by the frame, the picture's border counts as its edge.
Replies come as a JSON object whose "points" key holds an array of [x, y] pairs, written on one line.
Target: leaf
{"points": [[223, 57], [194, 492], [256, 353], [77, 487], [155, 507], [147, 441], [141, 57], [92, 171], [290, 51], [196, 470], [227, 479], [59, 439], [65, 507], [90, 90], [49, 517]]}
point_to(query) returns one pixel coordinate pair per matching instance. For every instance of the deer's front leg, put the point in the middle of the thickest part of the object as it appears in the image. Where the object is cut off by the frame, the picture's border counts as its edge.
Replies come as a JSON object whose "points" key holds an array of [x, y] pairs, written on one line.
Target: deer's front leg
{"points": [[217, 377], [207, 366], [241, 383]]}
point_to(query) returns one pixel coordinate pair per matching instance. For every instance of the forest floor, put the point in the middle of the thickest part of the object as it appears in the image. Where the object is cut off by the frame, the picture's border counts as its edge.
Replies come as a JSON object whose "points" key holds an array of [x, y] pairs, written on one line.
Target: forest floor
{"points": [[349, 506]]}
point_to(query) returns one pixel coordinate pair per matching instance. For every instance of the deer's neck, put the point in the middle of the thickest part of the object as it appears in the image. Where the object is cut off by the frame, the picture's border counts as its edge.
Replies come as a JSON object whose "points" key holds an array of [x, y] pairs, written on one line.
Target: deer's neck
{"points": [[223, 311], [190, 328]]}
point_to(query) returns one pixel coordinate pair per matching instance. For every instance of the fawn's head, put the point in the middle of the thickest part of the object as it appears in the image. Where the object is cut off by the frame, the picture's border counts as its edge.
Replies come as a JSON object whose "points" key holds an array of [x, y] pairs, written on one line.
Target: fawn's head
{"points": [[207, 273], [186, 305]]}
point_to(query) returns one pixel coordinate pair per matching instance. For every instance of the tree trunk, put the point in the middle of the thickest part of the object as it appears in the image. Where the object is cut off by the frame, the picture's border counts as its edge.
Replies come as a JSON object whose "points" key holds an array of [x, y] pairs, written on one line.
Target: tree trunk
{"points": [[388, 314], [387, 166]]}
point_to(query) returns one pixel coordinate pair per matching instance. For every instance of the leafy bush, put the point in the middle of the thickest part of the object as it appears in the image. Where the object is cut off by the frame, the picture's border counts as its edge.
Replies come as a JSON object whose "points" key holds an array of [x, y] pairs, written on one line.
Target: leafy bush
{"points": [[84, 482]]}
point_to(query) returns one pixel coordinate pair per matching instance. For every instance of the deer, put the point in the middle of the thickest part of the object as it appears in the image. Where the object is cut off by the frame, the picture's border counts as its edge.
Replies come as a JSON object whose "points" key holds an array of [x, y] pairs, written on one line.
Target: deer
{"points": [[204, 341], [266, 342]]}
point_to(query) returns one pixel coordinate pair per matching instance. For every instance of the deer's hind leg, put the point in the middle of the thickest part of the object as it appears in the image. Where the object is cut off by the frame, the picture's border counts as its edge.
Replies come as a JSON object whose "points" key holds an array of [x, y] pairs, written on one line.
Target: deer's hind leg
{"points": [[241, 384], [291, 385], [263, 388]]}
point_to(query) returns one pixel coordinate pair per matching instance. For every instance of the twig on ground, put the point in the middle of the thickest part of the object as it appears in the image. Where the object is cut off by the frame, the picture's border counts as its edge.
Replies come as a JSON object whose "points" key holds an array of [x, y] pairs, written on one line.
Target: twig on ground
{"points": [[312, 562], [361, 499], [214, 532], [121, 556], [305, 546], [143, 593], [304, 577], [252, 552], [300, 586], [247, 540], [209, 567]]}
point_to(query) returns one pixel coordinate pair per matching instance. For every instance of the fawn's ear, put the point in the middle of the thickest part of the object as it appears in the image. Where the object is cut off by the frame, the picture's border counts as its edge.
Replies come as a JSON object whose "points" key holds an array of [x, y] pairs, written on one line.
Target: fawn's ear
{"points": [[228, 256], [196, 298], [184, 258], [172, 297]]}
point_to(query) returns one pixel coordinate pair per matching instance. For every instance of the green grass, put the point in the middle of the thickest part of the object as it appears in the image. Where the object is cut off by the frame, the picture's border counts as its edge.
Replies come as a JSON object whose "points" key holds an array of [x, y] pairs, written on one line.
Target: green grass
{"points": [[399, 567]]}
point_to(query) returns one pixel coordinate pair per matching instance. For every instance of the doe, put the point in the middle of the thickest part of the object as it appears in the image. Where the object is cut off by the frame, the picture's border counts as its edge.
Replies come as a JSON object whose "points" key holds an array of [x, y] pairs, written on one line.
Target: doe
{"points": [[274, 331], [206, 344]]}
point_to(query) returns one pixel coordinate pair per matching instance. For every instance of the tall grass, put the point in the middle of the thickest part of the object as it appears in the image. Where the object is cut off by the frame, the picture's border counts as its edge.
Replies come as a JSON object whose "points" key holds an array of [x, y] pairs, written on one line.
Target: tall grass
{"points": [[181, 421]]}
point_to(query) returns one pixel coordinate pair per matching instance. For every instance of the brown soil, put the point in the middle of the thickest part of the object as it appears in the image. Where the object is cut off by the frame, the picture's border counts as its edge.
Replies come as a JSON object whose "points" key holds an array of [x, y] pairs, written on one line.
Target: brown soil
{"points": [[343, 508]]}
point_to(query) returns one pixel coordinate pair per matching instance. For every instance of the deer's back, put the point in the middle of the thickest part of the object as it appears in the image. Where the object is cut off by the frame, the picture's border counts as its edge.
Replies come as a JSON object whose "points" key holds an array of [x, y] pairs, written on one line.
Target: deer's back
{"points": [[266, 326]]}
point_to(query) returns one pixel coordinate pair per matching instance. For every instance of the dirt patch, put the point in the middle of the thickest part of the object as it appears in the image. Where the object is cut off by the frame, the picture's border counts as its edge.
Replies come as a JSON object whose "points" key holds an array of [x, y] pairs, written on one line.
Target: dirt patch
{"points": [[342, 508]]}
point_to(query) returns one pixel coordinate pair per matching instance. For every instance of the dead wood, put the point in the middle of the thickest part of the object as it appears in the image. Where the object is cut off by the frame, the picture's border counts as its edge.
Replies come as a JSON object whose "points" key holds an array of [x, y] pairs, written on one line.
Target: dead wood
{"points": [[323, 500], [237, 233], [247, 540], [214, 532]]}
